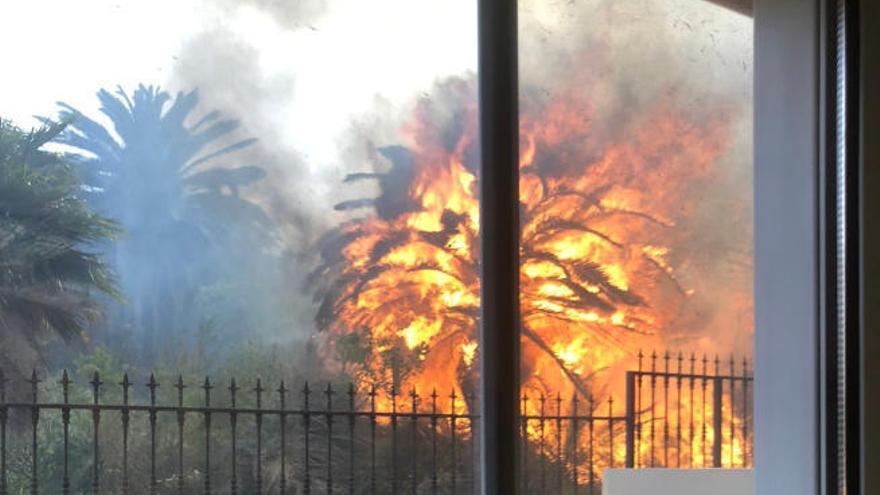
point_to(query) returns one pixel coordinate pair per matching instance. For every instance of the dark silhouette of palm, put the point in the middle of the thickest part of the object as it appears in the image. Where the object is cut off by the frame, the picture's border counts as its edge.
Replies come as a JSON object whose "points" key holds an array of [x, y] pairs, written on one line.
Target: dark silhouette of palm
{"points": [[156, 171]]}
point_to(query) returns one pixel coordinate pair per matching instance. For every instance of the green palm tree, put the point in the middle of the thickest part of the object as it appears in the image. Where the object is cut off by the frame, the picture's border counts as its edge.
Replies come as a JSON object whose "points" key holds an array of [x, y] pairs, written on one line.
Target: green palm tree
{"points": [[157, 170], [49, 273]]}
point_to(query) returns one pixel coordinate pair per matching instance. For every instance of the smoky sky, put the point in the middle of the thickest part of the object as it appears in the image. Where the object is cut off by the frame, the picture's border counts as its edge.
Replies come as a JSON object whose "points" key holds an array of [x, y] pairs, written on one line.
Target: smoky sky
{"points": [[292, 14], [628, 53], [226, 72]]}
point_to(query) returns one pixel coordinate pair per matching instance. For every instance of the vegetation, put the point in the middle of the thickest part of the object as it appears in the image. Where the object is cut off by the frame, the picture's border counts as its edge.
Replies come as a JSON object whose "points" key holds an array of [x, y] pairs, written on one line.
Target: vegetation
{"points": [[49, 273], [195, 248]]}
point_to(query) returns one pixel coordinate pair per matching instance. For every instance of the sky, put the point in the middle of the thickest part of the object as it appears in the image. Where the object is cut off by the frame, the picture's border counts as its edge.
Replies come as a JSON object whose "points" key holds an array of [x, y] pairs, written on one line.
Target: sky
{"points": [[343, 57], [324, 66]]}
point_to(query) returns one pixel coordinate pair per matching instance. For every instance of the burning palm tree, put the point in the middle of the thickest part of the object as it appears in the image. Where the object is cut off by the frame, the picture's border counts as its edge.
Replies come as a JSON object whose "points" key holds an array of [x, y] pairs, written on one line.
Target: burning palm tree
{"points": [[598, 228]]}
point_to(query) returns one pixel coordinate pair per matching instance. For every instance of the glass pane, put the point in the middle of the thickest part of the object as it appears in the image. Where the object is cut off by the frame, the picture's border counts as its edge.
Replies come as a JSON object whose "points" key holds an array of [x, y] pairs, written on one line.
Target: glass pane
{"points": [[636, 191], [280, 196]]}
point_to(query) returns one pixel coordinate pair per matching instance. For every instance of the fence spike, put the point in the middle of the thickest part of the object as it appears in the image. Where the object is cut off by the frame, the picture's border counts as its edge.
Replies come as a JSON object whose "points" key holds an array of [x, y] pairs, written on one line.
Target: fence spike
{"points": [[394, 417], [611, 432], [65, 425], [351, 423], [372, 395], [453, 426], [282, 419], [541, 431], [306, 417], [258, 390], [126, 384], [434, 480], [678, 429], [206, 386], [559, 466], [282, 395], [414, 453], [471, 398], [152, 385], [258, 418], [329, 393], [96, 384], [35, 418], [34, 381], [65, 385], [233, 424], [233, 389], [306, 392], [96, 417], [414, 396], [181, 420]]}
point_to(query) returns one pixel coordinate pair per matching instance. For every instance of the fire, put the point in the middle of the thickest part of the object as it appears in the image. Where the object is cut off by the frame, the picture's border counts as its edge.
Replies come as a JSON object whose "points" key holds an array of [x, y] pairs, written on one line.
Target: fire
{"points": [[600, 207]]}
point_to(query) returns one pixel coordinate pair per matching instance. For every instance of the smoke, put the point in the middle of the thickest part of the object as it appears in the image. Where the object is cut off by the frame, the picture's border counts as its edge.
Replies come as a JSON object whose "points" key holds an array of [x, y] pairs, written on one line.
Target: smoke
{"points": [[626, 55], [290, 15], [299, 77], [226, 70], [696, 58]]}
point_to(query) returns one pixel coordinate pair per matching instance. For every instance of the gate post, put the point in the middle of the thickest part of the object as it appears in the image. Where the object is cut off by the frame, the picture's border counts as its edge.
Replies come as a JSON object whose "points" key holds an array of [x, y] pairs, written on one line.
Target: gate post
{"points": [[717, 438], [630, 418]]}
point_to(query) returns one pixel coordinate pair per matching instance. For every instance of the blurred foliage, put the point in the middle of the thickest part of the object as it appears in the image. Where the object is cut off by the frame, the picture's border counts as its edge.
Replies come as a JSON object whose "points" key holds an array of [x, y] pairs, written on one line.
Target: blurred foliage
{"points": [[198, 254], [49, 269]]}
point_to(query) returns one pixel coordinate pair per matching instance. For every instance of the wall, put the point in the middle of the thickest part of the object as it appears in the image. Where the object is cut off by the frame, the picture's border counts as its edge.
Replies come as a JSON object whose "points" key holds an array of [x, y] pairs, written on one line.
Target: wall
{"points": [[679, 482]]}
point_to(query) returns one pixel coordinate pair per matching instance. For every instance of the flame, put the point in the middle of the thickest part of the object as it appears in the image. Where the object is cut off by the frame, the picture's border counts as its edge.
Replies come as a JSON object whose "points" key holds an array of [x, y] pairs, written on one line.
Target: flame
{"points": [[600, 208]]}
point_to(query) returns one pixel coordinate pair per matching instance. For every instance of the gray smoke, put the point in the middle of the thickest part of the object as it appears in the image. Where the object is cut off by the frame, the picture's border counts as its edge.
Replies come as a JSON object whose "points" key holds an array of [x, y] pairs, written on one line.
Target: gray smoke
{"points": [[629, 53]]}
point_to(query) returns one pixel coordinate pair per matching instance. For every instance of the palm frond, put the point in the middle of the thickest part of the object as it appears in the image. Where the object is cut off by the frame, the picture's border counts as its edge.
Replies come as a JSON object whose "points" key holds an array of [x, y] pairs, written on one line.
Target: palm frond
{"points": [[46, 276]]}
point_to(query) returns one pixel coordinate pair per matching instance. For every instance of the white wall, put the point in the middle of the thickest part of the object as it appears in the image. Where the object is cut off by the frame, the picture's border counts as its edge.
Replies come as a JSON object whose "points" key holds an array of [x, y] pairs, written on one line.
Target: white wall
{"points": [[678, 482], [787, 243]]}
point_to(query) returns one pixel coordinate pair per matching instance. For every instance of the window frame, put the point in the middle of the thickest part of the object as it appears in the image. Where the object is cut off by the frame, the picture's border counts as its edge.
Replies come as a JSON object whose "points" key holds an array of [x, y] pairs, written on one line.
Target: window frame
{"points": [[788, 262], [795, 221]]}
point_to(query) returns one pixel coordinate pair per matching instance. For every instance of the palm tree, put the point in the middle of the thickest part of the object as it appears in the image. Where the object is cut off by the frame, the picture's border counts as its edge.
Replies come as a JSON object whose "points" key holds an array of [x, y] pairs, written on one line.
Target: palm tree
{"points": [[49, 277], [155, 171]]}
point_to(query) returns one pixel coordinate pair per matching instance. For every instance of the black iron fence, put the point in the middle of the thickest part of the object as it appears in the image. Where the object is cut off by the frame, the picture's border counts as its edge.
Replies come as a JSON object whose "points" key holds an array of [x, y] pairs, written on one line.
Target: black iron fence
{"points": [[679, 412], [685, 412], [134, 438]]}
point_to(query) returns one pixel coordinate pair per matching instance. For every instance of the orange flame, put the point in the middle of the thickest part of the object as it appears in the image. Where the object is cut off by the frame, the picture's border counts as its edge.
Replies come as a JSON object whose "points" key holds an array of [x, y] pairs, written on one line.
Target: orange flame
{"points": [[600, 208]]}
